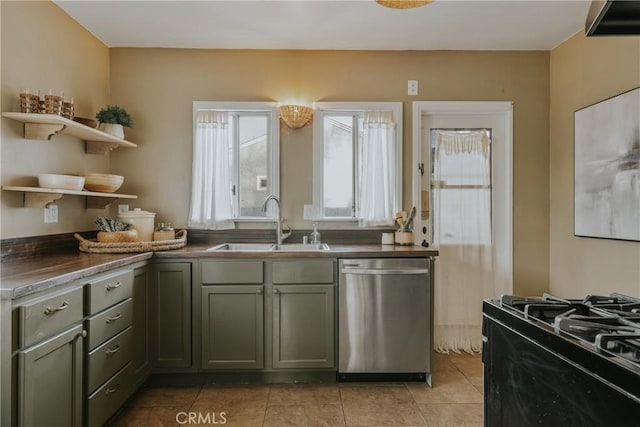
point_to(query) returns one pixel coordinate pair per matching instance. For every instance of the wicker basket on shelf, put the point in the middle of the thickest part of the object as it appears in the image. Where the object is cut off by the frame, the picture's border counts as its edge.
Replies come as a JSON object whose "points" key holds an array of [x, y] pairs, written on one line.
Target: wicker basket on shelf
{"points": [[125, 247]]}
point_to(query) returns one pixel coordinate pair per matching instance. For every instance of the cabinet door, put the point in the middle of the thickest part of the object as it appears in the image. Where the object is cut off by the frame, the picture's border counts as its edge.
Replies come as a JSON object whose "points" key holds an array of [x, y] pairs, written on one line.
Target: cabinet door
{"points": [[303, 326], [141, 323], [173, 315], [232, 327], [50, 381]]}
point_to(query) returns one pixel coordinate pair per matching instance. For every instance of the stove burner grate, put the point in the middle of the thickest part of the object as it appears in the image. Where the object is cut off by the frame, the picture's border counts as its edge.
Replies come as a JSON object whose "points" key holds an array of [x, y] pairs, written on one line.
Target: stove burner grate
{"points": [[609, 325], [625, 346]]}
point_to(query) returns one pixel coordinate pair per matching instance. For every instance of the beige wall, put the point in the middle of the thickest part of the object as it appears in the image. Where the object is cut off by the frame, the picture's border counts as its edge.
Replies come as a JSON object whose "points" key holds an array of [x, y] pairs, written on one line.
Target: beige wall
{"points": [[158, 86], [583, 72], [43, 48]]}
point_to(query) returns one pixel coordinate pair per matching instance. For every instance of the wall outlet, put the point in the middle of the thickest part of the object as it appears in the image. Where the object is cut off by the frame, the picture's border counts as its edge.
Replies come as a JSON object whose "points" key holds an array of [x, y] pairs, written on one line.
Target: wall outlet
{"points": [[412, 87], [308, 212], [51, 214], [123, 208]]}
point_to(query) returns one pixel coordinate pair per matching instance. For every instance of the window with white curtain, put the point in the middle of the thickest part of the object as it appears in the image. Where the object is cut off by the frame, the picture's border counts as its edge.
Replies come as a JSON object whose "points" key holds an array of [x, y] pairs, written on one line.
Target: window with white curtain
{"points": [[357, 162], [235, 162], [461, 183]]}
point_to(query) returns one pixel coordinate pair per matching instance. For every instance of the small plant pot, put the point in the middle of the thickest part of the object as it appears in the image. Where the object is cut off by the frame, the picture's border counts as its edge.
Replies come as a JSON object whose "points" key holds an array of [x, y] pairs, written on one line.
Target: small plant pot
{"points": [[112, 129], [117, 236], [404, 238]]}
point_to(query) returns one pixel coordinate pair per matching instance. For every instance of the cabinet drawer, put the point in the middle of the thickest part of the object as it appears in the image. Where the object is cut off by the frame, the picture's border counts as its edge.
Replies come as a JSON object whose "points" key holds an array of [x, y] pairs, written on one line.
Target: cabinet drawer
{"points": [[107, 323], [44, 317], [109, 290], [105, 401], [229, 272], [107, 359], [304, 271]]}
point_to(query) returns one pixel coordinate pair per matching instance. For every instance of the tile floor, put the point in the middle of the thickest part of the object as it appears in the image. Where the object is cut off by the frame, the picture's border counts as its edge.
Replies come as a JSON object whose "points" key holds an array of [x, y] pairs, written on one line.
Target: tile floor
{"points": [[455, 400]]}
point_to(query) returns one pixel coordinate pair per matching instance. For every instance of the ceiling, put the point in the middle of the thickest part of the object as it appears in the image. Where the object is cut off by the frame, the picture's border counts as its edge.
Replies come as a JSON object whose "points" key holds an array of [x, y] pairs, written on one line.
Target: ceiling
{"points": [[331, 24]]}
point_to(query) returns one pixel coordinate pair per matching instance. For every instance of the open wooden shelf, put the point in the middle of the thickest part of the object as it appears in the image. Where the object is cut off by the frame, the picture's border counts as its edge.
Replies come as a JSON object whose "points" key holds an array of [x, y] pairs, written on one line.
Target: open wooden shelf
{"points": [[44, 126], [39, 197]]}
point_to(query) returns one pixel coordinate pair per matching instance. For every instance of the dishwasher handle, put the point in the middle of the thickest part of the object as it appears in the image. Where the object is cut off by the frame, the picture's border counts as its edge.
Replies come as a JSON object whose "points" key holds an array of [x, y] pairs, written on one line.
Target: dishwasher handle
{"points": [[383, 271]]}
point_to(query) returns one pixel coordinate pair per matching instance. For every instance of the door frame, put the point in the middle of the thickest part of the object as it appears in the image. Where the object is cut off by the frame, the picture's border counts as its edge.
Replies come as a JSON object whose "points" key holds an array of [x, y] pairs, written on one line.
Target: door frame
{"points": [[499, 108]]}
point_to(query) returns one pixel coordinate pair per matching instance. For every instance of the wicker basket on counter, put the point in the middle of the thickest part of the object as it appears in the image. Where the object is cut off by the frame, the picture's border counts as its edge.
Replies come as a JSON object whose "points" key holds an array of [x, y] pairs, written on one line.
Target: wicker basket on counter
{"points": [[92, 246]]}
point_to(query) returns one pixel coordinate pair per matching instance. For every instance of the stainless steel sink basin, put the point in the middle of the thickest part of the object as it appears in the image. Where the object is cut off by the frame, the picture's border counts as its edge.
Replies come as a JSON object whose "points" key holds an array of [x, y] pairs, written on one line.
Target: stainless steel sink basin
{"points": [[258, 247], [301, 247], [242, 247]]}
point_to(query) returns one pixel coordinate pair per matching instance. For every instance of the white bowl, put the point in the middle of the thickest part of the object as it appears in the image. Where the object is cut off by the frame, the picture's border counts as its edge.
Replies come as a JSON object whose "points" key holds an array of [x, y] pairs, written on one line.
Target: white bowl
{"points": [[61, 182]]}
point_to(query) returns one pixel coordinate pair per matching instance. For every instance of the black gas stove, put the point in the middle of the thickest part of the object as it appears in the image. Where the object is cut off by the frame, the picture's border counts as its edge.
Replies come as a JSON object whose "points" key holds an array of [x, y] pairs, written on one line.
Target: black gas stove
{"points": [[552, 361]]}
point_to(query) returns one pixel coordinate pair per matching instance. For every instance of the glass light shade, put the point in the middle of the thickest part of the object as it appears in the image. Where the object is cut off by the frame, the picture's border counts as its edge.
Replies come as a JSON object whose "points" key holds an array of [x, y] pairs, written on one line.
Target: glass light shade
{"points": [[295, 116], [403, 4]]}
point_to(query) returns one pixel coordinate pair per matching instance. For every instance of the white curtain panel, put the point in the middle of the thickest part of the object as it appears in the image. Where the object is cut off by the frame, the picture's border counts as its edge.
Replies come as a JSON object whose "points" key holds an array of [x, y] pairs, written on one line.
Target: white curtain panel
{"points": [[462, 234], [377, 170], [211, 200]]}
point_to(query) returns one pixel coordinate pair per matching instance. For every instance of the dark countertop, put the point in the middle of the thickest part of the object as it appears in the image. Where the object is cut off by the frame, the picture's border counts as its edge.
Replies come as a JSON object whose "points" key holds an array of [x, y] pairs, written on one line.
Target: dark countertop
{"points": [[336, 251], [25, 276], [22, 277]]}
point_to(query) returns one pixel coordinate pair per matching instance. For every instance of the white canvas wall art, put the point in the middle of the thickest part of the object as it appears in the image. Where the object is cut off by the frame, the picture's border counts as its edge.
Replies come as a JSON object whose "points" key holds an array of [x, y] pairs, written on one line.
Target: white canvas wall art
{"points": [[607, 168]]}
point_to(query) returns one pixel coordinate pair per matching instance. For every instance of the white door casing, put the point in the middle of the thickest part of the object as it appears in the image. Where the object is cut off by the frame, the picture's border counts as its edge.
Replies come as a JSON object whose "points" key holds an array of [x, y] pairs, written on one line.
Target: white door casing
{"points": [[497, 115]]}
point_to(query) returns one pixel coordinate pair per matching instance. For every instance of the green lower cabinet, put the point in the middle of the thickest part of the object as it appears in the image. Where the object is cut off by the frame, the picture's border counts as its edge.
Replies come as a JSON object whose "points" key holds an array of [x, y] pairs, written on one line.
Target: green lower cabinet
{"points": [[141, 323], [232, 327], [303, 326], [172, 315], [50, 381]]}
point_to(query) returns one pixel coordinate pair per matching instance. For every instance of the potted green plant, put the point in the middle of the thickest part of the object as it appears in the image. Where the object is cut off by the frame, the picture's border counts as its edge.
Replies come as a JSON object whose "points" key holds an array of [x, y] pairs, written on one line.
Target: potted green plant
{"points": [[112, 119]]}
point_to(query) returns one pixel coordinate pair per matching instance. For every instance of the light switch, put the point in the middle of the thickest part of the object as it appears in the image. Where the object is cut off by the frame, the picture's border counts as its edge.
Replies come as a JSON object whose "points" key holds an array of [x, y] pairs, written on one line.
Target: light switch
{"points": [[308, 212], [412, 87], [123, 208], [51, 214]]}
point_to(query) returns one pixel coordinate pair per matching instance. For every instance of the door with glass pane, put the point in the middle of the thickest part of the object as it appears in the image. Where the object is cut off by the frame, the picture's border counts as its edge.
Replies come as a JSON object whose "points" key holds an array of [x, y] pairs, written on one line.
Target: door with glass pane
{"points": [[463, 157]]}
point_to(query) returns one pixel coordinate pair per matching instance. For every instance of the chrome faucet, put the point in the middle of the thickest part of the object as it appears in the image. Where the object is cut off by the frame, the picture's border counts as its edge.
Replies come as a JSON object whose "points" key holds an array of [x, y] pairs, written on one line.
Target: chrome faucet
{"points": [[279, 235]]}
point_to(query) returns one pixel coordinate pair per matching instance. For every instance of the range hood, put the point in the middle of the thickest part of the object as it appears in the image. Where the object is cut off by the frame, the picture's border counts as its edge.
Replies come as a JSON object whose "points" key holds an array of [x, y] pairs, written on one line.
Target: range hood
{"points": [[613, 18]]}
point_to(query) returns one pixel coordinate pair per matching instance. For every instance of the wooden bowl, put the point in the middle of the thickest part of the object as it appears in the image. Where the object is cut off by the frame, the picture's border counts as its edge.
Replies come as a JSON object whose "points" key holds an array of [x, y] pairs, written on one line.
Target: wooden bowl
{"points": [[61, 182], [117, 236], [102, 182], [92, 123]]}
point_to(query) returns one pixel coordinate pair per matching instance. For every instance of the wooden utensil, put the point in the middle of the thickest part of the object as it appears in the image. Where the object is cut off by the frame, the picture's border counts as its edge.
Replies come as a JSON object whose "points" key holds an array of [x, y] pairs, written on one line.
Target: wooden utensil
{"points": [[408, 225]]}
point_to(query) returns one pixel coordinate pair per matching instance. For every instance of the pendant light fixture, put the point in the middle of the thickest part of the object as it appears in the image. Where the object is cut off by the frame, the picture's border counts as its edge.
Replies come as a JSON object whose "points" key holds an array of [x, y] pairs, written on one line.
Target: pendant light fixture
{"points": [[403, 4]]}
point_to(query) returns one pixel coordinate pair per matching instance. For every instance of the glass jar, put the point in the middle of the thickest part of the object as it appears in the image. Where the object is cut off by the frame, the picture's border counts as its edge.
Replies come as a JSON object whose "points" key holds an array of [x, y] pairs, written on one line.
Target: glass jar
{"points": [[164, 226]]}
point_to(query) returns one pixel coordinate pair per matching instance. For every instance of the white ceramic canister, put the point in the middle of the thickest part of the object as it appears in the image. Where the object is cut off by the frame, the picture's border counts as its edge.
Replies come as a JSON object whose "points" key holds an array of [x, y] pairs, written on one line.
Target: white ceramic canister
{"points": [[142, 221]]}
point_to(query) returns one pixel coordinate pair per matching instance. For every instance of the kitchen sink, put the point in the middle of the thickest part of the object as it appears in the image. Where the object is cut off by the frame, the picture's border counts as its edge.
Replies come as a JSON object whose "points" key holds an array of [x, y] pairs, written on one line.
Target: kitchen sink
{"points": [[301, 247], [258, 247], [240, 247]]}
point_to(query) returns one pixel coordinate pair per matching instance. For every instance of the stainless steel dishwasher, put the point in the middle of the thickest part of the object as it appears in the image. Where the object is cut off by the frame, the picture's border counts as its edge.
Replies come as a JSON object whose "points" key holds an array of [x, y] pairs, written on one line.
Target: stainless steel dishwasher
{"points": [[385, 319]]}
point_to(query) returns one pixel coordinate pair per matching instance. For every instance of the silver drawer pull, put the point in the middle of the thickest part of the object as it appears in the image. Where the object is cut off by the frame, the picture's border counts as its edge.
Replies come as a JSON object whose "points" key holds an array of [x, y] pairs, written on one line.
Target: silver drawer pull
{"points": [[112, 351], [110, 391], [52, 310], [112, 319], [112, 286], [275, 291], [259, 291]]}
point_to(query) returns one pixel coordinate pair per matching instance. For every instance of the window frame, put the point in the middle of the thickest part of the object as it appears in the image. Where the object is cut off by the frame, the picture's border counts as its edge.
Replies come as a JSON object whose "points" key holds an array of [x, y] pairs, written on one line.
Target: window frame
{"points": [[273, 147], [327, 108], [434, 184]]}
